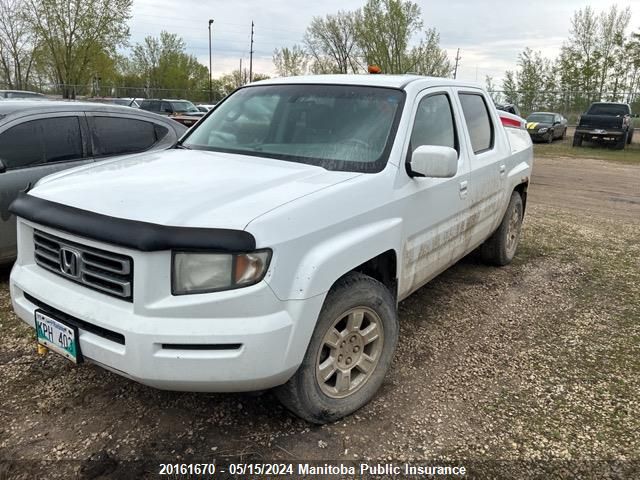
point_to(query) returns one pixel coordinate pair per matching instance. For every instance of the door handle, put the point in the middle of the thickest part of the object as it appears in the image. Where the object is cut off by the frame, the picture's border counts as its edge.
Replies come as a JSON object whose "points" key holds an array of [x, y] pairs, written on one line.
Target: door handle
{"points": [[503, 169], [464, 189]]}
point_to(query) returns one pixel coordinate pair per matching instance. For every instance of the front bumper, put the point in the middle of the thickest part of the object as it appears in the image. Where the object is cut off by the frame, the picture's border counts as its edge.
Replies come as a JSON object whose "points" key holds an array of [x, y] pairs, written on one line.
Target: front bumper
{"points": [[600, 133], [173, 343], [539, 137]]}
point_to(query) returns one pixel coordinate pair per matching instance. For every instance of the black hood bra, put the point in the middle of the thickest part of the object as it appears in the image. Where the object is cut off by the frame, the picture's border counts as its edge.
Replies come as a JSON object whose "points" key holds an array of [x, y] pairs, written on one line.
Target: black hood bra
{"points": [[142, 236]]}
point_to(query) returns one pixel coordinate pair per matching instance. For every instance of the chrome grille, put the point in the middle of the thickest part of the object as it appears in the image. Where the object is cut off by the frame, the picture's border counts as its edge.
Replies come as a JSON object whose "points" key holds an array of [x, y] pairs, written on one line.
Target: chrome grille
{"points": [[107, 272]]}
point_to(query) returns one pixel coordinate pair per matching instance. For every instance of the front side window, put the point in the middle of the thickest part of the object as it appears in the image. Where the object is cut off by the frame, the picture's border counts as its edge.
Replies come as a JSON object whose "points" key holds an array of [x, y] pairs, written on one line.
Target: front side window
{"points": [[41, 141], [21, 146], [337, 127], [434, 124], [476, 116], [119, 136]]}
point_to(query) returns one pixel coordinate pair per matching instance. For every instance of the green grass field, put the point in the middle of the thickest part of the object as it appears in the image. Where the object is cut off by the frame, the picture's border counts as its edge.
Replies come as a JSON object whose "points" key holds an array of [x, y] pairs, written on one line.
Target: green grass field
{"points": [[563, 148]]}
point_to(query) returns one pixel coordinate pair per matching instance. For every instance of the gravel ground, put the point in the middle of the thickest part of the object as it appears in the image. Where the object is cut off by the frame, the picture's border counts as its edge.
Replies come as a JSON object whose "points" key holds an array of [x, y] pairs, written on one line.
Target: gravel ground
{"points": [[508, 370]]}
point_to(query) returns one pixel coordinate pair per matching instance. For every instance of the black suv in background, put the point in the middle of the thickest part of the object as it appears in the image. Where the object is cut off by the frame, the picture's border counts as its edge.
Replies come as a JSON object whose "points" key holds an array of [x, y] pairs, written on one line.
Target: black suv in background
{"points": [[171, 107], [605, 123]]}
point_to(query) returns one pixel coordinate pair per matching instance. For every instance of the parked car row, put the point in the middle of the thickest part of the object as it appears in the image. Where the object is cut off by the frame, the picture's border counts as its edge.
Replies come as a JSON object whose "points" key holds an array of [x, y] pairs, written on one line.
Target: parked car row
{"points": [[604, 123], [39, 138], [182, 111]]}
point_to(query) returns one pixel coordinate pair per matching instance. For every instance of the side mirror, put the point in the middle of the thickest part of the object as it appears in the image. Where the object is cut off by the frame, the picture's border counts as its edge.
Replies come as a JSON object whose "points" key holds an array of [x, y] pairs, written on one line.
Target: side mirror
{"points": [[434, 161], [3, 166]]}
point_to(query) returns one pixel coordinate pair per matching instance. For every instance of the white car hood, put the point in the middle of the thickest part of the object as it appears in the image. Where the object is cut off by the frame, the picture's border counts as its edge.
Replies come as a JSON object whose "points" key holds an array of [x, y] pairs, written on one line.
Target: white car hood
{"points": [[188, 188]]}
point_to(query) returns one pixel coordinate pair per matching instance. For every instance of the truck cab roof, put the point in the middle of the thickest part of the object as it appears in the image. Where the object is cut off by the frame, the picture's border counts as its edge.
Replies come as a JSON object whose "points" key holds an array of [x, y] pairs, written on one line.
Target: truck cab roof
{"points": [[388, 81]]}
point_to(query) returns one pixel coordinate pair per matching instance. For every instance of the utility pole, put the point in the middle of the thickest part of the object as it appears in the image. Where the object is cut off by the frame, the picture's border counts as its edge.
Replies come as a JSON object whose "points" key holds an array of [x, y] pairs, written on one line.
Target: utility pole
{"points": [[240, 78], [210, 73], [455, 71], [251, 55]]}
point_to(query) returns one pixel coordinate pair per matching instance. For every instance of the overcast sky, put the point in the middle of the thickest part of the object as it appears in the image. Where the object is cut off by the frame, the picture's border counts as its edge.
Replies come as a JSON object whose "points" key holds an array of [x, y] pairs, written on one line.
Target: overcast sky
{"points": [[490, 34]]}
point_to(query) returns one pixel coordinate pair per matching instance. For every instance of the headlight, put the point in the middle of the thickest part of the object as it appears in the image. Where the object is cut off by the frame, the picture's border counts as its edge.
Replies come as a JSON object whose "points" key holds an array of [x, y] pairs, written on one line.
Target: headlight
{"points": [[211, 272], [543, 130]]}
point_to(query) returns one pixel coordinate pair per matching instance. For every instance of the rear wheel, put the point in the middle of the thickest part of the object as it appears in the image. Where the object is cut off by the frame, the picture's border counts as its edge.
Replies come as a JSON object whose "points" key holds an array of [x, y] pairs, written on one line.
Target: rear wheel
{"points": [[349, 353], [577, 140], [501, 247]]}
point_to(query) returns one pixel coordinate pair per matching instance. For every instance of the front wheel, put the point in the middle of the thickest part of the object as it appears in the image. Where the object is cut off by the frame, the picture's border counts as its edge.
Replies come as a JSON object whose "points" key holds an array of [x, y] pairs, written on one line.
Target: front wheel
{"points": [[620, 144], [500, 248], [349, 353], [577, 140], [550, 139]]}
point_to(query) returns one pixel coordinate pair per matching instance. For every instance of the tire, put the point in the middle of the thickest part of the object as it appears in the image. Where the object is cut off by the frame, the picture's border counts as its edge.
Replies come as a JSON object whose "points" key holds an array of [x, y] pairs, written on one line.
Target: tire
{"points": [[320, 401], [577, 140], [620, 144], [550, 139], [564, 134], [630, 139], [500, 248]]}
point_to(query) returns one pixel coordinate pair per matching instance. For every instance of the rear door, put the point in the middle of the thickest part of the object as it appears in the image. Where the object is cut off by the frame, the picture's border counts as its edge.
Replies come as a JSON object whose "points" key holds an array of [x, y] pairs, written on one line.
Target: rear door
{"points": [[31, 148], [485, 142], [435, 220]]}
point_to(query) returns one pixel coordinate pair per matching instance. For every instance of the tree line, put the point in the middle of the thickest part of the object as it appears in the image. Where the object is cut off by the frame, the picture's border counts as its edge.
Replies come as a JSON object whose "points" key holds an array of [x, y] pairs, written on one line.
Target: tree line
{"points": [[74, 45], [599, 61], [380, 33]]}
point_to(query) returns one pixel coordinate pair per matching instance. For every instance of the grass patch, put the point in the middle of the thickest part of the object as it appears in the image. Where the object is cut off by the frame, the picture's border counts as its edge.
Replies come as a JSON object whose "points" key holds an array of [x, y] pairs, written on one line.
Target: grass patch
{"points": [[631, 154]]}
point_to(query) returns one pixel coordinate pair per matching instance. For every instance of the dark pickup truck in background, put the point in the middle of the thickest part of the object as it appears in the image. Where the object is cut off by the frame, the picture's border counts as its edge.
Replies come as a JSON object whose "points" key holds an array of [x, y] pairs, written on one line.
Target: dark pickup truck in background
{"points": [[605, 122]]}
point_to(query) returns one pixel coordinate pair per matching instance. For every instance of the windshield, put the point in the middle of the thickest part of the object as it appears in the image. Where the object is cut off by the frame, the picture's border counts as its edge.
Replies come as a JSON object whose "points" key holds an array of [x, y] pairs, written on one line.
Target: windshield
{"points": [[608, 109], [540, 118], [337, 127], [184, 107]]}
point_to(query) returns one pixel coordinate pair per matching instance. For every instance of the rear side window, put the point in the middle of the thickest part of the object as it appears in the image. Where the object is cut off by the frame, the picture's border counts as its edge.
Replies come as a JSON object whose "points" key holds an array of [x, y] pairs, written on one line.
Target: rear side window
{"points": [[118, 136], [41, 141], [476, 116], [434, 123]]}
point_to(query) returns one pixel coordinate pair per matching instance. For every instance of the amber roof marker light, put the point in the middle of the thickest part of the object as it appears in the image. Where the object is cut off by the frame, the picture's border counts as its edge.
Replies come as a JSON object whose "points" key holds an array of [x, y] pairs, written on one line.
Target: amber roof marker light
{"points": [[374, 69]]}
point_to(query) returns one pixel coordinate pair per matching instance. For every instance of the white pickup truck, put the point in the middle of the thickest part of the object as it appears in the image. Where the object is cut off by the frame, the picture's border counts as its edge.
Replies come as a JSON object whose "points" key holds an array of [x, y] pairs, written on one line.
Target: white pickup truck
{"points": [[271, 246]]}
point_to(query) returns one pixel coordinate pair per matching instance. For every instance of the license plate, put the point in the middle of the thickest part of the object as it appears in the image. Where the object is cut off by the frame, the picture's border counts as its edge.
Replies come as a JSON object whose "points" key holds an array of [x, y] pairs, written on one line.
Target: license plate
{"points": [[57, 336]]}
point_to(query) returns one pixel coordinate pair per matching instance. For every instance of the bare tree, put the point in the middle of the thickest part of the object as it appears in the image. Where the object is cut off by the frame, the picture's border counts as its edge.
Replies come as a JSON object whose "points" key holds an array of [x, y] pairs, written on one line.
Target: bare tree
{"points": [[17, 44], [331, 44], [290, 61]]}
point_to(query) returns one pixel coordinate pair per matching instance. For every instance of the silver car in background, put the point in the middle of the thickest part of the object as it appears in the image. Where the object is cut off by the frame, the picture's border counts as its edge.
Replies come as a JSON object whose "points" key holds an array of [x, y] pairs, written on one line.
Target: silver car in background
{"points": [[40, 138]]}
